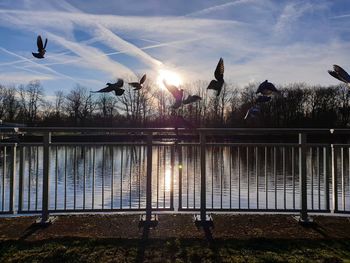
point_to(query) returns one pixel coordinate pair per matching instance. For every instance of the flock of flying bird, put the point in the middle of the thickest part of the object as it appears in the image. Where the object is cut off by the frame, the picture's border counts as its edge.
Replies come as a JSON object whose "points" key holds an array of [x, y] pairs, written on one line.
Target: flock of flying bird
{"points": [[265, 90]]}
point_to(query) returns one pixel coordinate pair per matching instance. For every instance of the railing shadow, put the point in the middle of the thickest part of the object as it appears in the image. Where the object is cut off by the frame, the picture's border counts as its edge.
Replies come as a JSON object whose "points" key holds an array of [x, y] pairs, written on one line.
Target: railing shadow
{"points": [[207, 230], [33, 228]]}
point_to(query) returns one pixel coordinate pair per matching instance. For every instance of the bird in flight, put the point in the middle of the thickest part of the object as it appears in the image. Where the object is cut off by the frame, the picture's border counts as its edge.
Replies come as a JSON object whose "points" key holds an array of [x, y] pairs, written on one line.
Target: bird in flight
{"points": [[252, 112], [138, 85], [219, 76], [177, 94], [41, 48], [116, 87], [340, 74], [191, 99], [262, 99], [267, 88]]}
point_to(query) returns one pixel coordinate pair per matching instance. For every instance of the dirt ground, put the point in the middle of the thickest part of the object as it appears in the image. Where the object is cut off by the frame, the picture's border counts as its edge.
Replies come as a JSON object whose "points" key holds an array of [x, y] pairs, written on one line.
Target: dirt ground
{"points": [[175, 226], [279, 236]]}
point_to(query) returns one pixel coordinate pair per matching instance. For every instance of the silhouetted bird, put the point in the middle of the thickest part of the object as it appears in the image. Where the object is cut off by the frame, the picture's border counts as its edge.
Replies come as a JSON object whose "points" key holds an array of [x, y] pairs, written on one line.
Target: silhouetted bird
{"points": [[252, 112], [267, 88], [176, 105], [138, 85], [116, 87], [219, 76], [263, 99], [41, 48], [340, 74], [191, 99], [177, 94]]}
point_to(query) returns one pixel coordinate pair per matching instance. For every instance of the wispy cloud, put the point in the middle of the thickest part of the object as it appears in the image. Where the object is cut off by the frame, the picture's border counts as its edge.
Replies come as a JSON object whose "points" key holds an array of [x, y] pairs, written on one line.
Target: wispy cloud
{"points": [[291, 13], [91, 56], [18, 77], [285, 41], [340, 16], [114, 41], [218, 7], [36, 64], [46, 68]]}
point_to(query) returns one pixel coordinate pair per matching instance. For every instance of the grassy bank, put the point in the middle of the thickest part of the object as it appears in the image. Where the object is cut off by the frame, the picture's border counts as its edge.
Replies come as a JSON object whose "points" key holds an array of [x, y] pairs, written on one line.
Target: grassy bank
{"points": [[174, 250]]}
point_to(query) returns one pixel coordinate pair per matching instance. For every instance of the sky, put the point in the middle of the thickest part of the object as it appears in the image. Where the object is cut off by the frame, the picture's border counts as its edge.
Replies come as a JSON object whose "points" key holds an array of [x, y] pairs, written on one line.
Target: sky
{"points": [[93, 42]]}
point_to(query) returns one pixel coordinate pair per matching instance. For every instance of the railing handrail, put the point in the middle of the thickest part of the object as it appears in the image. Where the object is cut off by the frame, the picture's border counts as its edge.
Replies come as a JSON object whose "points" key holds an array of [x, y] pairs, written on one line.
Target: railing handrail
{"points": [[172, 129]]}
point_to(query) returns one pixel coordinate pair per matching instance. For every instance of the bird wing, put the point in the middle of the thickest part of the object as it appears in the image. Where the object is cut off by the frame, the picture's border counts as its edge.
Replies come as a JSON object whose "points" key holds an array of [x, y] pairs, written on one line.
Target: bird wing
{"points": [[177, 104], [106, 89], [119, 83], [37, 55], [142, 80], [196, 97], [119, 92], [39, 43], [263, 99], [335, 75], [174, 91], [213, 85], [271, 87], [187, 100], [134, 84], [191, 99], [342, 73], [261, 87], [45, 43], [219, 71]]}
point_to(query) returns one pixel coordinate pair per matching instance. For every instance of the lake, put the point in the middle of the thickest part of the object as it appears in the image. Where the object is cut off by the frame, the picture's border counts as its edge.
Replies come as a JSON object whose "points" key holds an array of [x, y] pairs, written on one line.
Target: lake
{"points": [[264, 177]]}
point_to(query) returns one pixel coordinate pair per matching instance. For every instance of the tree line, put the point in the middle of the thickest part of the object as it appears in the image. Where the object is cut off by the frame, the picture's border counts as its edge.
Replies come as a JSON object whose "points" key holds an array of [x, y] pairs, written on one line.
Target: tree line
{"points": [[298, 105]]}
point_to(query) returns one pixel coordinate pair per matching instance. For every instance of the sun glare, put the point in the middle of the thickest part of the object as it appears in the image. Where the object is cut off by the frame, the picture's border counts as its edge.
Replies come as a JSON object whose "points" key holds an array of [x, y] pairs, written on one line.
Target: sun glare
{"points": [[167, 179], [170, 77]]}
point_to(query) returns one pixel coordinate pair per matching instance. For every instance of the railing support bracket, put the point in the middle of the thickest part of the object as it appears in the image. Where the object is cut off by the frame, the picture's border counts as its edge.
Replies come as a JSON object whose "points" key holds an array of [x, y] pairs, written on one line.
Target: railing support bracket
{"points": [[207, 222], [152, 222], [304, 222], [40, 222]]}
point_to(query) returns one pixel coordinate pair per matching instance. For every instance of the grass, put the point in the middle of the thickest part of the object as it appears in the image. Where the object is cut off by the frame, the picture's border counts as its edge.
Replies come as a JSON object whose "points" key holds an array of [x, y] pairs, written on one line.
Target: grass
{"points": [[174, 250]]}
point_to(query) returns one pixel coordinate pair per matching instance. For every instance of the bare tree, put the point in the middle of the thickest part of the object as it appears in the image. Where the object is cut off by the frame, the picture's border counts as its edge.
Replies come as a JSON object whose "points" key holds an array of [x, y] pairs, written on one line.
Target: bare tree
{"points": [[137, 104], [31, 98], [59, 104], [343, 102], [80, 105], [106, 105]]}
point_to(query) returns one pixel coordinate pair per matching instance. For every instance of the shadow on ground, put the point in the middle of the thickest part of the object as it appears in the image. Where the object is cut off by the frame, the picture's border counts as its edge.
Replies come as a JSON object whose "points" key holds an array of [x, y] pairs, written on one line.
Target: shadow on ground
{"points": [[116, 238]]}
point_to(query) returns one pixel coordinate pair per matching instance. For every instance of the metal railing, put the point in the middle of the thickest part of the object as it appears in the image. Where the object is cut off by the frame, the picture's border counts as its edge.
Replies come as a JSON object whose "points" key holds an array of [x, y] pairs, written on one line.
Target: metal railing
{"points": [[149, 170], [7, 182]]}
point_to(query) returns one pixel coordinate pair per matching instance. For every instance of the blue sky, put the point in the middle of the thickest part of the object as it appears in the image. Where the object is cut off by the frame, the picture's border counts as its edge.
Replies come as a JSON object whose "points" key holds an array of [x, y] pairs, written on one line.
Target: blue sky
{"points": [[94, 42]]}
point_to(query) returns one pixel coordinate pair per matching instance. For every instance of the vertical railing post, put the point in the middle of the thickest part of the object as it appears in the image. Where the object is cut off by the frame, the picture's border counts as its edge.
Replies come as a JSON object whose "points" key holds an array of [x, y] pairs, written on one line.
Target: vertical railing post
{"points": [[180, 176], [326, 172], [172, 160], [202, 219], [334, 179], [304, 218], [149, 179], [12, 178], [20, 179], [203, 178], [46, 169]]}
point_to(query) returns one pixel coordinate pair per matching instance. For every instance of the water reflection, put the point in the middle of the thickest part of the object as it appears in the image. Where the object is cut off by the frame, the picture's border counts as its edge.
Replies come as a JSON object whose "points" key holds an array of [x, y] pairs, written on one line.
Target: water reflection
{"points": [[114, 177]]}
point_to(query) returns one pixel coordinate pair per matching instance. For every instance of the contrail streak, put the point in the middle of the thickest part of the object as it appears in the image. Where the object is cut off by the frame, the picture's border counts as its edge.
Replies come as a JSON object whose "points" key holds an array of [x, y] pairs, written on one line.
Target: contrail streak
{"points": [[37, 65], [123, 52]]}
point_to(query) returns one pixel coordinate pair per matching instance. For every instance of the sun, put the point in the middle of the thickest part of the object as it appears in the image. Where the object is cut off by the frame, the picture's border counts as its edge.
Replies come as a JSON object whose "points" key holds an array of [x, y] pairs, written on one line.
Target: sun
{"points": [[170, 77]]}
